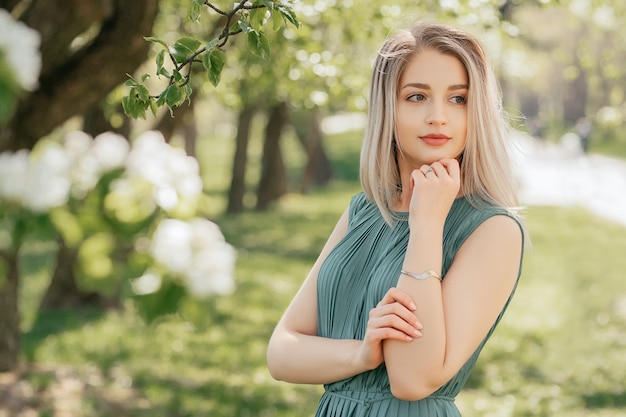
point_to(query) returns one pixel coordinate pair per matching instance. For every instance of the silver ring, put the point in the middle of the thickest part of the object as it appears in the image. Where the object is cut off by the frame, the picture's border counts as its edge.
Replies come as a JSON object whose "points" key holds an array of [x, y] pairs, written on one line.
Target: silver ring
{"points": [[429, 169]]}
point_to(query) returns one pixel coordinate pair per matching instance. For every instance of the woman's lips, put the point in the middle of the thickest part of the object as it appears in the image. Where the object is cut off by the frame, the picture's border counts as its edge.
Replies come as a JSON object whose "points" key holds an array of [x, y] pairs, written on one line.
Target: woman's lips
{"points": [[435, 139]]}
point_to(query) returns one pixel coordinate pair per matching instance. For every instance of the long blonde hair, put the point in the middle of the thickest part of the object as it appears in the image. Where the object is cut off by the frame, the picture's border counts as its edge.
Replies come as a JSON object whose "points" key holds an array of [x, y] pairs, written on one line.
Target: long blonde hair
{"points": [[486, 172]]}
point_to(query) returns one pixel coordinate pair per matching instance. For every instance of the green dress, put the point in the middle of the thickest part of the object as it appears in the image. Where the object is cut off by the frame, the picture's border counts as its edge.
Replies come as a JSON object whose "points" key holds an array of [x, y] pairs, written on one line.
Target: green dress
{"points": [[354, 278]]}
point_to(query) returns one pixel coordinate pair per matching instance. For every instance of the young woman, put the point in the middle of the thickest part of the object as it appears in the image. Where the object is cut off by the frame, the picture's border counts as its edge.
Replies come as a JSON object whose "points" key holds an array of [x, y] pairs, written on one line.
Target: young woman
{"points": [[422, 264]]}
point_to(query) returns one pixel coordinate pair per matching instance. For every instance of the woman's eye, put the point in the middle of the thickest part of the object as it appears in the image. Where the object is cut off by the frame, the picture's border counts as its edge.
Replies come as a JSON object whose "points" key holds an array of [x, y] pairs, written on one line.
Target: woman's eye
{"points": [[459, 100], [417, 97]]}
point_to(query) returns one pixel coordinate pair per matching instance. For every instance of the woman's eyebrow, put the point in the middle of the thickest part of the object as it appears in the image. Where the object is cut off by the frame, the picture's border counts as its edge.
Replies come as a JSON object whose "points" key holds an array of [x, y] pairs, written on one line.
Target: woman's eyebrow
{"points": [[427, 87], [417, 85]]}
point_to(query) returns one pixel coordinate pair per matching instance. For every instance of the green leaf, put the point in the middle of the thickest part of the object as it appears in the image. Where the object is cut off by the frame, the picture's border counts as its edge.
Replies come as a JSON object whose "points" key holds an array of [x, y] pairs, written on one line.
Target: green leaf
{"points": [[132, 107], [213, 43], [9, 95], [194, 10], [142, 92], [256, 18], [177, 76], [184, 48], [165, 301], [288, 14], [153, 107], [137, 100], [259, 45], [160, 58], [213, 62], [172, 96], [164, 72], [68, 225], [277, 21], [243, 25], [155, 40]]}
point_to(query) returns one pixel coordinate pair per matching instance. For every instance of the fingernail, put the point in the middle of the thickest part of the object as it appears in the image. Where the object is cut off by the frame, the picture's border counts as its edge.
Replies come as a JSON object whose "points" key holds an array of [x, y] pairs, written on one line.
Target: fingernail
{"points": [[412, 306], [419, 325], [409, 338], [417, 333]]}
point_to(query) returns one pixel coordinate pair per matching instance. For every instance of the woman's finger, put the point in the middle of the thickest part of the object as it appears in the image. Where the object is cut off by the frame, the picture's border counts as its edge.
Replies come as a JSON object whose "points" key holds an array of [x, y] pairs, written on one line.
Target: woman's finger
{"points": [[394, 295], [398, 323]]}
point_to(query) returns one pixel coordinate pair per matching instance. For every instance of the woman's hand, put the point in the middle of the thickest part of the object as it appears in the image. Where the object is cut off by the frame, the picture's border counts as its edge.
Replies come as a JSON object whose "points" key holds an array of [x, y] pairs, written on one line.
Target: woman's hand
{"points": [[434, 189], [392, 318]]}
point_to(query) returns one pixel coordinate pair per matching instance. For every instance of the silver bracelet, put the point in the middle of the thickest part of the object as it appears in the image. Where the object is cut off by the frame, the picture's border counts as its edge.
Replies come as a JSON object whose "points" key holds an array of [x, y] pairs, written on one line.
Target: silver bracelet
{"points": [[422, 276]]}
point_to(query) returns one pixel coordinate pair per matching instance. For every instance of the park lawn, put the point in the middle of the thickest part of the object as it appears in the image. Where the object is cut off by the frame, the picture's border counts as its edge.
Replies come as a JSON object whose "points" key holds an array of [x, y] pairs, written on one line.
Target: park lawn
{"points": [[560, 349]]}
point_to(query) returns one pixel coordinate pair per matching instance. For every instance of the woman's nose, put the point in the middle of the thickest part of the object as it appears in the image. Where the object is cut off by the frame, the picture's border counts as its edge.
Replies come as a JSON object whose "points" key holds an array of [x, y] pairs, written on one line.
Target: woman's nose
{"points": [[436, 115]]}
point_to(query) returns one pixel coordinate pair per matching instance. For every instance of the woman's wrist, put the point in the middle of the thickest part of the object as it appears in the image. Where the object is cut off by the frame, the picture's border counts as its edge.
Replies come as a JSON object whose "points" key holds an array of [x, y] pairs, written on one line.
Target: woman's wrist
{"points": [[426, 229], [424, 249]]}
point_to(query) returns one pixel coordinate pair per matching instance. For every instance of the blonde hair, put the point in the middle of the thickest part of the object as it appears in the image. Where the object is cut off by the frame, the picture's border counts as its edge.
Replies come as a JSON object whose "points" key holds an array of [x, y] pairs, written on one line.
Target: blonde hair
{"points": [[486, 172]]}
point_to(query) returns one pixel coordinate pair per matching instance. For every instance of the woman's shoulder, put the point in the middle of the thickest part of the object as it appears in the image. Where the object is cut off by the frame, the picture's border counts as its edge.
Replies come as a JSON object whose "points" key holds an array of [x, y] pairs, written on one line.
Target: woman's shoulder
{"points": [[358, 202], [362, 210], [477, 209], [468, 213]]}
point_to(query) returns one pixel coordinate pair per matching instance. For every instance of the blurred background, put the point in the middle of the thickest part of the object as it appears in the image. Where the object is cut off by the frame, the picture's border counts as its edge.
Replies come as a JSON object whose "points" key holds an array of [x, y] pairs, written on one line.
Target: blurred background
{"points": [[145, 259]]}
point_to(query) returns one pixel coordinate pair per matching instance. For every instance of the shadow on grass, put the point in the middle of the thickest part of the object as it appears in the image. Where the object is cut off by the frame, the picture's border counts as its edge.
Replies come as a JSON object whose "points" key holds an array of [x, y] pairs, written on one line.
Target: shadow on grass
{"points": [[220, 399], [54, 322], [605, 399]]}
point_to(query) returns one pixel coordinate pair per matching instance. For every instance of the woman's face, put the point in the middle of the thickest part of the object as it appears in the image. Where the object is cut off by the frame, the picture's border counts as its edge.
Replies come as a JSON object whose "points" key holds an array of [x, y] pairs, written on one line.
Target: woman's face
{"points": [[431, 118]]}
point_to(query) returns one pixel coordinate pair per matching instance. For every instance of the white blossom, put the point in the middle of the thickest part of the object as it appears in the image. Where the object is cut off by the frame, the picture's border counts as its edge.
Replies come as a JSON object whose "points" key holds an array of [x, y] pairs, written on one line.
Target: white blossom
{"points": [[171, 245], [174, 175], [39, 180], [77, 143], [20, 45], [49, 182], [92, 158], [110, 151], [14, 172], [148, 283], [213, 264], [197, 252], [85, 174]]}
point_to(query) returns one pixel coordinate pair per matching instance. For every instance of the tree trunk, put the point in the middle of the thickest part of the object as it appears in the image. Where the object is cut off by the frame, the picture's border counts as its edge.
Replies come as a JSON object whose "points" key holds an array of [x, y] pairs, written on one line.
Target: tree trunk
{"points": [[95, 123], [273, 182], [575, 97], [240, 159], [9, 315], [318, 170], [63, 291], [67, 87]]}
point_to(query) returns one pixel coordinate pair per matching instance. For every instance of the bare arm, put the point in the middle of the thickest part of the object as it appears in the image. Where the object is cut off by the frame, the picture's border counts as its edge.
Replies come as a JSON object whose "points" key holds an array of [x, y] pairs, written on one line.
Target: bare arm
{"points": [[297, 354], [457, 313]]}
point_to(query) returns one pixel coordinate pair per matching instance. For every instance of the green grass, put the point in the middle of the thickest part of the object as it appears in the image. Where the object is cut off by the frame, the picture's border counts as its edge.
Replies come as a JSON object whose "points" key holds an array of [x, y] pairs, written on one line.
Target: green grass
{"points": [[560, 350], [615, 148]]}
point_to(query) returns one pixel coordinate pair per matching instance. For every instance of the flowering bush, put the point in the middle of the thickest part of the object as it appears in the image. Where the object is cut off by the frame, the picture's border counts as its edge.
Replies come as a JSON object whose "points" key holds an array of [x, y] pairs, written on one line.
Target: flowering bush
{"points": [[20, 61], [130, 212]]}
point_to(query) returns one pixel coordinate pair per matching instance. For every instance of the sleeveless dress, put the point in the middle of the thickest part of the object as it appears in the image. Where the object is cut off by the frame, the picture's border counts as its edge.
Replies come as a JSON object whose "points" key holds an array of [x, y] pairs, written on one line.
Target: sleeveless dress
{"points": [[354, 278]]}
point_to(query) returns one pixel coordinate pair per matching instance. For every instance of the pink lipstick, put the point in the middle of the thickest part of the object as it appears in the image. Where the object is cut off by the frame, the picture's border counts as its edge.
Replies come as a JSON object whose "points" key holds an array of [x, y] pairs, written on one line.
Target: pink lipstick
{"points": [[435, 139]]}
